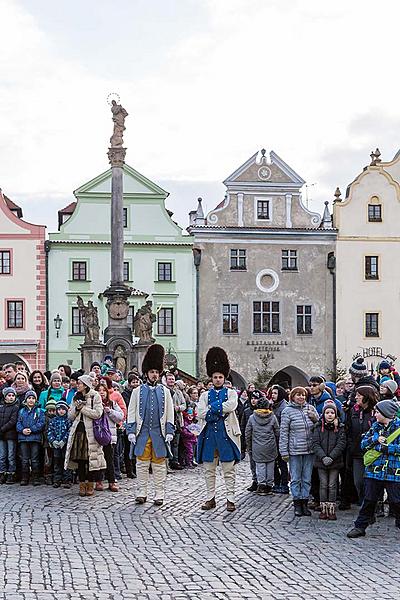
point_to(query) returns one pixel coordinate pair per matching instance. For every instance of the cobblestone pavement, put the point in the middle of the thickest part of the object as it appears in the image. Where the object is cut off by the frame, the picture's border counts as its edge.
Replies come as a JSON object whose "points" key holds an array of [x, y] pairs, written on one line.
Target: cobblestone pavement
{"points": [[55, 545]]}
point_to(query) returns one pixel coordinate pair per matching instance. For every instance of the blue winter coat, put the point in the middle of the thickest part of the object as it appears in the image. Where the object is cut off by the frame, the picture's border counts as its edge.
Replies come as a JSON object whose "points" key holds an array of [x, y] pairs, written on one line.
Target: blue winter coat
{"points": [[58, 429], [387, 466], [318, 403], [33, 419]]}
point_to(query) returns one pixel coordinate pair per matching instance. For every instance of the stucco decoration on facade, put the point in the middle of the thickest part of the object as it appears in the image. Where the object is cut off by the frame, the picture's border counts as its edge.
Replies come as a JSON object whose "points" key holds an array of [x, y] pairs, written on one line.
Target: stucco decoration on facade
{"points": [[263, 277]]}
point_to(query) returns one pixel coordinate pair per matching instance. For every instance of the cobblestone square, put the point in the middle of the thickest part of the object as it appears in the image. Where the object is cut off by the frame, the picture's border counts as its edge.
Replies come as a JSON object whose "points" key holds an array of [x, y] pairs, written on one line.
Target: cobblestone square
{"points": [[56, 545]]}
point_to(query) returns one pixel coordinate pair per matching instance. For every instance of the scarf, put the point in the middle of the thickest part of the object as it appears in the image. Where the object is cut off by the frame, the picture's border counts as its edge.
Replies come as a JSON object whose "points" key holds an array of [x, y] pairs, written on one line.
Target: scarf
{"points": [[21, 388]]}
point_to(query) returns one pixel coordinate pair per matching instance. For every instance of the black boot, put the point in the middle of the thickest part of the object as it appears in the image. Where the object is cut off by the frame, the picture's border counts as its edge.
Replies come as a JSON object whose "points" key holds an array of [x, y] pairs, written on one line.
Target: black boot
{"points": [[253, 487], [298, 512], [11, 478], [306, 512]]}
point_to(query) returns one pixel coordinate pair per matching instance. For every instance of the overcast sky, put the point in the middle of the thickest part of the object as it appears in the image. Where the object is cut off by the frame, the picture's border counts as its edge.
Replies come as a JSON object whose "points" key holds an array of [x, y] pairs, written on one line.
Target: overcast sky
{"points": [[206, 84]]}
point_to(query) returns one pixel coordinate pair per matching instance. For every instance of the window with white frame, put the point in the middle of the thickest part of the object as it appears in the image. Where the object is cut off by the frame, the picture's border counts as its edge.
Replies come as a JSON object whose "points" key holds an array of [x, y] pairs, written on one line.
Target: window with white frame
{"points": [[165, 321], [238, 260], [371, 267], [263, 209], [304, 319], [77, 322], [266, 317], [289, 260], [230, 318]]}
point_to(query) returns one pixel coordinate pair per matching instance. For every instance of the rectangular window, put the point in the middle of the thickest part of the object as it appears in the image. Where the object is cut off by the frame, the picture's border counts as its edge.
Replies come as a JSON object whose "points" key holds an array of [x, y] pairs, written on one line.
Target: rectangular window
{"points": [[164, 271], [371, 325], [129, 319], [165, 321], [230, 318], [15, 314], [371, 267], [266, 317], [289, 260], [263, 209], [77, 322], [125, 217], [79, 271], [304, 325], [5, 262], [126, 271], [238, 260], [374, 213]]}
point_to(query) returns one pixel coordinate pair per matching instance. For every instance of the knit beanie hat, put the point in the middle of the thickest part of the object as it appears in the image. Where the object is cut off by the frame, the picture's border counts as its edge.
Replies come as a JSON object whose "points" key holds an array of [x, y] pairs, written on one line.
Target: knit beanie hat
{"points": [[359, 368], [330, 404], [51, 403], [387, 408], [30, 394], [298, 390], [55, 375], [384, 378], [263, 403], [87, 380], [256, 395], [8, 390], [62, 404], [384, 365], [390, 384]]}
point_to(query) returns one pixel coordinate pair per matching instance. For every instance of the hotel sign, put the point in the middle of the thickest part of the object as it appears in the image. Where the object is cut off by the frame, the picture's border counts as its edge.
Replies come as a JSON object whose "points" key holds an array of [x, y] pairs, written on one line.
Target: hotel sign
{"points": [[374, 351]]}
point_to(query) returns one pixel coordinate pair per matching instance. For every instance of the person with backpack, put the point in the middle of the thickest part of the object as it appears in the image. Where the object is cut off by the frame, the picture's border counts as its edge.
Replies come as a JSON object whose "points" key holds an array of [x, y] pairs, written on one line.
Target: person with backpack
{"points": [[83, 450]]}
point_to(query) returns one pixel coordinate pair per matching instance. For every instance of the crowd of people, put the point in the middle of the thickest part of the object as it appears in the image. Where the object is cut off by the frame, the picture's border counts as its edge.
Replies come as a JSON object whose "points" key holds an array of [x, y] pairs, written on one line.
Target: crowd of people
{"points": [[328, 444]]}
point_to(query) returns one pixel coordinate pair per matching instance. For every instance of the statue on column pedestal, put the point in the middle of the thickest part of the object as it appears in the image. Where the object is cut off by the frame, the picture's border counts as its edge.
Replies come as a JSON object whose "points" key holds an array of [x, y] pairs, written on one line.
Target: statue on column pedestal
{"points": [[143, 323], [90, 320]]}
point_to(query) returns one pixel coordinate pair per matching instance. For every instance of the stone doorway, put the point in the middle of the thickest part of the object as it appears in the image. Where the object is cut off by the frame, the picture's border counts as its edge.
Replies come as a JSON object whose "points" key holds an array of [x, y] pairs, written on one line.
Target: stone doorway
{"points": [[290, 376]]}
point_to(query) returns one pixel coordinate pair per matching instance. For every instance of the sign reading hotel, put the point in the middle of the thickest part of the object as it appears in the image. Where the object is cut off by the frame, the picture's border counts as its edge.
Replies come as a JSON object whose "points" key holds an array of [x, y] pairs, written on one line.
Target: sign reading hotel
{"points": [[374, 351]]}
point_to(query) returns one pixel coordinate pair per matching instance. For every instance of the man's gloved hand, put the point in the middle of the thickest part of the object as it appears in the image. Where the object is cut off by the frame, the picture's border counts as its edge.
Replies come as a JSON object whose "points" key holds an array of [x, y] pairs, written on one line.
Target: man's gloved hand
{"points": [[168, 438], [132, 438], [327, 461]]}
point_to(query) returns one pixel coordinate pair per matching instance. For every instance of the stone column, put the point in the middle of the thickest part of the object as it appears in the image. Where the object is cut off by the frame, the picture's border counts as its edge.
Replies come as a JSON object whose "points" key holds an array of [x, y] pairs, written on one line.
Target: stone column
{"points": [[117, 226]]}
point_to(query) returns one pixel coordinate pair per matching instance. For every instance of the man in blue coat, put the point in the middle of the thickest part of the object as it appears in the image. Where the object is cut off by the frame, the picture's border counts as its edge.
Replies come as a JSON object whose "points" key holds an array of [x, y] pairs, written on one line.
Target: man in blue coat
{"points": [[150, 425]]}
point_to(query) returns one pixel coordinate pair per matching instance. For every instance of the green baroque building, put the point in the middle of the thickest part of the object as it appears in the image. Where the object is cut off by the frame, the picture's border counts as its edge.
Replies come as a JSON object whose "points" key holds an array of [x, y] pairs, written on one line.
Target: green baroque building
{"points": [[158, 265]]}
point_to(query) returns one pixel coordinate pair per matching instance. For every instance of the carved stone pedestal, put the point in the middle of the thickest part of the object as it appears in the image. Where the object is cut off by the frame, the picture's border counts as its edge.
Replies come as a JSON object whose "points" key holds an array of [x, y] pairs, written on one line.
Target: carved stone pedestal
{"points": [[91, 353]]}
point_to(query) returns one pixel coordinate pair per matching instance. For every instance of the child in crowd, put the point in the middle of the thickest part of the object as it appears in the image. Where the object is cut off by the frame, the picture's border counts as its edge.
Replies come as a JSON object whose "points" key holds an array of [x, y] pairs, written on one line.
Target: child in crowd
{"points": [[262, 439], [387, 388], [253, 397], [65, 382], [57, 437], [383, 472], [55, 390], [295, 446], [30, 425], [72, 389], [8, 435], [188, 438], [48, 466], [329, 442]]}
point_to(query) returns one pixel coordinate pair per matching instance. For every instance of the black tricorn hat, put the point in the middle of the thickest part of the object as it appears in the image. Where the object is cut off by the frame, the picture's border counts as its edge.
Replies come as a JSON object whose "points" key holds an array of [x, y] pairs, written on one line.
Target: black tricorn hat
{"points": [[217, 362], [154, 359]]}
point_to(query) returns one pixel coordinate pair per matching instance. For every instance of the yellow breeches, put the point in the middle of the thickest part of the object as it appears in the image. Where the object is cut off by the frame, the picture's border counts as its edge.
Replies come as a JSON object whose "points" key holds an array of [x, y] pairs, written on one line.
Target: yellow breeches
{"points": [[149, 454]]}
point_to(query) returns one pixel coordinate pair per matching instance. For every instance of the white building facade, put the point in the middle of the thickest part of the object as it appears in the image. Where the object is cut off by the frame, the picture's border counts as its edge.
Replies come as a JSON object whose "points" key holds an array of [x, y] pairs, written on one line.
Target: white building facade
{"points": [[367, 265]]}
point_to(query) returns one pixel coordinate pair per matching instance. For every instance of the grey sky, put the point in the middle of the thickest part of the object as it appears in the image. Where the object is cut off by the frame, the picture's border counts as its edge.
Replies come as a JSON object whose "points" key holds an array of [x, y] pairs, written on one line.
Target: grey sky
{"points": [[206, 84]]}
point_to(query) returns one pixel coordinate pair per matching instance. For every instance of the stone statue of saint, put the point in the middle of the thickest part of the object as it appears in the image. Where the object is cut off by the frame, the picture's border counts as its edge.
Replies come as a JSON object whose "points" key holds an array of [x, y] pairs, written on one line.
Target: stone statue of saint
{"points": [[143, 323], [90, 321], [120, 359], [119, 115]]}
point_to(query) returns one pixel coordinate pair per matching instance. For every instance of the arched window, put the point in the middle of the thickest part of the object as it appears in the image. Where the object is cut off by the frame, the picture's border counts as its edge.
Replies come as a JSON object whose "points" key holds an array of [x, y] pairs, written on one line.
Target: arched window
{"points": [[374, 210]]}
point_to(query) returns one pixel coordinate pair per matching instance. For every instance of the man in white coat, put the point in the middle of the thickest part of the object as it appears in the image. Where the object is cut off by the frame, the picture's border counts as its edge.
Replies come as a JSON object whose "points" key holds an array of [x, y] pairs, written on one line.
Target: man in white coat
{"points": [[219, 438], [150, 426]]}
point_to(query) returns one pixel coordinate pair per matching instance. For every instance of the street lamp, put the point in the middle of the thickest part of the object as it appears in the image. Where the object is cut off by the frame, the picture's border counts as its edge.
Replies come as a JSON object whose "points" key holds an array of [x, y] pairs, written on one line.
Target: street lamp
{"points": [[57, 323]]}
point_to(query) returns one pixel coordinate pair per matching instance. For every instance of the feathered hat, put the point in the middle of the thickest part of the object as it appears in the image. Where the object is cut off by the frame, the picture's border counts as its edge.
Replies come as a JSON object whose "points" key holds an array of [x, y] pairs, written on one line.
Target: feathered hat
{"points": [[154, 359], [217, 362]]}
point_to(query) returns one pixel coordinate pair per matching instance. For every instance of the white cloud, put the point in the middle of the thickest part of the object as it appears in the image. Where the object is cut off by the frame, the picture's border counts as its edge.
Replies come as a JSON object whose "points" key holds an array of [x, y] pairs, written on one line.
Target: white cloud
{"points": [[290, 76]]}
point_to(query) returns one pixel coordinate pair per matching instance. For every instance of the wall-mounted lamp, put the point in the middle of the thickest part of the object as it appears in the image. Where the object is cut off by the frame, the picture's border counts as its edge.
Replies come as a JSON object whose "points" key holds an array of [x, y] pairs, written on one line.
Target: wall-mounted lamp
{"points": [[57, 323]]}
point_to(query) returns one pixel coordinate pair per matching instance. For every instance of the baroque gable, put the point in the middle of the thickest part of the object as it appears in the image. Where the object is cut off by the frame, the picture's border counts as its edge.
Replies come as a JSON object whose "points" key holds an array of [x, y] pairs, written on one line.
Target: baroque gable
{"points": [[264, 192]]}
